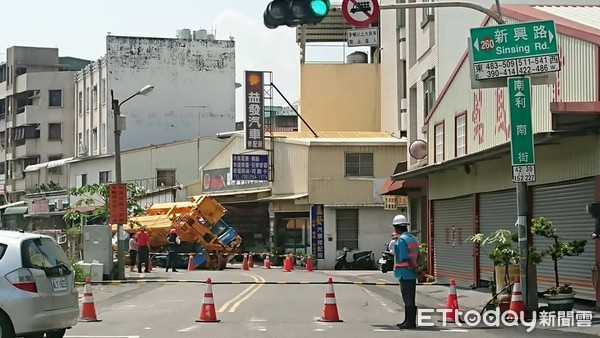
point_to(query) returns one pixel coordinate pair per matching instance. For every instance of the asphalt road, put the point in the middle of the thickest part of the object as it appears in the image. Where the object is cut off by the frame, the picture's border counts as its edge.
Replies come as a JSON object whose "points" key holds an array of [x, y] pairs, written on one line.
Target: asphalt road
{"points": [[281, 310]]}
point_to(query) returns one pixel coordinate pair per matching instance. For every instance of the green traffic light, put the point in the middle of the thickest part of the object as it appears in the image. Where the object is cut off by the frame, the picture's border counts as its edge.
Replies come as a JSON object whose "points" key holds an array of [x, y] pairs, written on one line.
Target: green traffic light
{"points": [[319, 7]]}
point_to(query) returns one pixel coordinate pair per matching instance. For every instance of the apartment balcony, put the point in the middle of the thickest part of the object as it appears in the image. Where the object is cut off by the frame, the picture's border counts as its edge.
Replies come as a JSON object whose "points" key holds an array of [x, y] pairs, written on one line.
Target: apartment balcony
{"points": [[27, 148], [27, 115]]}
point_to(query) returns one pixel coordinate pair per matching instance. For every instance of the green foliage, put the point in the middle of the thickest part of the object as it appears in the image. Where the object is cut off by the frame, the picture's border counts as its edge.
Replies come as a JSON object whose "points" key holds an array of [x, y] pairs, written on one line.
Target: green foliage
{"points": [[557, 250], [79, 273], [423, 252], [97, 195], [503, 252]]}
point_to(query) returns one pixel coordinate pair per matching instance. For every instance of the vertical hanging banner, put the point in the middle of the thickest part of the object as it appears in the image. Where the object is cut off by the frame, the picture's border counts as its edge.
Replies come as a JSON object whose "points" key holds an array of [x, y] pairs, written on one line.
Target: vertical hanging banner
{"points": [[255, 131], [318, 229]]}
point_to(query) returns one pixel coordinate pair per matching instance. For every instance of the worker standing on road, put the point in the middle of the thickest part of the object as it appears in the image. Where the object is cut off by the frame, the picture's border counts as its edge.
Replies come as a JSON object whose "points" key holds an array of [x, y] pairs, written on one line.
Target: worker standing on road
{"points": [[143, 250], [174, 242], [392, 245], [406, 256], [133, 248]]}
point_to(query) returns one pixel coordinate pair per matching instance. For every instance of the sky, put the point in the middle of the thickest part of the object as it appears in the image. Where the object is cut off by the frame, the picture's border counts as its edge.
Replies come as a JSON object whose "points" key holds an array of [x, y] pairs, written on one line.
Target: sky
{"points": [[78, 28]]}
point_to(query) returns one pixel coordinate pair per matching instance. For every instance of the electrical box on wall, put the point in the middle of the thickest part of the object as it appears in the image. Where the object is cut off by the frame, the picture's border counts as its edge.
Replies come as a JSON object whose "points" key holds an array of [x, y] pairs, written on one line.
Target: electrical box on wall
{"points": [[97, 245]]}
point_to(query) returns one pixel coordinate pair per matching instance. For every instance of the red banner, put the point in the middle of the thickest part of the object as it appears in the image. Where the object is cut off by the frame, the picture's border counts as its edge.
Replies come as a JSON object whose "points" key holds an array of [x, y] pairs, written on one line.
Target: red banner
{"points": [[117, 203]]}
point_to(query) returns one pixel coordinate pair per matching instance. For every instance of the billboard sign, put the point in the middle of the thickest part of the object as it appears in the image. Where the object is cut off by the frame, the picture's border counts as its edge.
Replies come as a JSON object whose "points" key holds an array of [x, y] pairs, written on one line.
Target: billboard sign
{"points": [[255, 131]]}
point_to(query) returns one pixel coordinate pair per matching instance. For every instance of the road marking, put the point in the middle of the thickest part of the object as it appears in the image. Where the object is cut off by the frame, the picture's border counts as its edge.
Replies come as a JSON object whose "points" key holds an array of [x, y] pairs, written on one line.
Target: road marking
{"points": [[257, 320], [385, 330], [454, 330], [385, 306], [187, 329], [239, 302], [239, 295]]}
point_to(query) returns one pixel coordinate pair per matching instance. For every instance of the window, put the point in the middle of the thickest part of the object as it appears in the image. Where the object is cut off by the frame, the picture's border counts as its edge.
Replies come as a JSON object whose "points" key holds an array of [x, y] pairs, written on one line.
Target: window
{"points": [[103, 136], [87, 99], [45, 254], [439, 142], [55, 98], [55, 170], [104, 177], [22, 133], [80, 103], [95, 97], [428, 14], [346, 224], [359, 165], [31, 161], [428, 90], [460, 134], [165, 177], [2, 250], [54, 132], [80, 180], [400, 16], [2, 138], [103, 91]]}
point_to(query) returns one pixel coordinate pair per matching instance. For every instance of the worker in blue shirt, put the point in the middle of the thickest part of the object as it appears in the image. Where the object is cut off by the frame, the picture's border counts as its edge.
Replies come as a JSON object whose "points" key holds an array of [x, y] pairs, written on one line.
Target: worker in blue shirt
{"points": [[405, 269]]}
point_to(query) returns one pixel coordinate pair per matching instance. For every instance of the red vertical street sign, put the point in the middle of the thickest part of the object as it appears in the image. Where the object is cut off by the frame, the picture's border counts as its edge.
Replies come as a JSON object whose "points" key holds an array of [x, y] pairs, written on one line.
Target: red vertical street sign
{"points": [[117, 203]]}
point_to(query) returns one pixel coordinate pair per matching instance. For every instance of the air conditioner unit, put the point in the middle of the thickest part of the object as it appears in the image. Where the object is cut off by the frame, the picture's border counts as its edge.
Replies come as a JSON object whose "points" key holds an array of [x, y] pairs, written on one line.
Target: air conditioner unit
{"points": [[83, 149]]}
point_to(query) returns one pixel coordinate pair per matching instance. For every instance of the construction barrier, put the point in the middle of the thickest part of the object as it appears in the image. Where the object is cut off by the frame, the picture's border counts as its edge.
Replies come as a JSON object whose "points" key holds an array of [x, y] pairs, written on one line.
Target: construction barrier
{"points": [[183, 281]]}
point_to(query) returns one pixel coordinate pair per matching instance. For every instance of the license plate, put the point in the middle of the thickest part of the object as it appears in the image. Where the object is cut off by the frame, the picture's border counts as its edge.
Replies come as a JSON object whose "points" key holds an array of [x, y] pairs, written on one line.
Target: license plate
{"points": [[59, 284]]}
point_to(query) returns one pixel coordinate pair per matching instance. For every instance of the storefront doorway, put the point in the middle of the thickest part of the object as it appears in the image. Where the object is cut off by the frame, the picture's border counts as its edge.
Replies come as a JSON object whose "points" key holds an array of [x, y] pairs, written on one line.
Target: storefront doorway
{"points": [[293, 233]]}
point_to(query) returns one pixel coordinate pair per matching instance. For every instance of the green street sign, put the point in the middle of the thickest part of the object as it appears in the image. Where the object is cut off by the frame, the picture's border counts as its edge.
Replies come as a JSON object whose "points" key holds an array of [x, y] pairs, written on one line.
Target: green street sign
{"points": [[514, 50], [521, 40], [521, 131]]}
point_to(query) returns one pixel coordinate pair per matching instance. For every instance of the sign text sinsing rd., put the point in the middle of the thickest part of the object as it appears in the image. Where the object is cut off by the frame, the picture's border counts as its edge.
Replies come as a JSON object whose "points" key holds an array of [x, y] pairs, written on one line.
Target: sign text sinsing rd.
{"points": [[514, 50]]}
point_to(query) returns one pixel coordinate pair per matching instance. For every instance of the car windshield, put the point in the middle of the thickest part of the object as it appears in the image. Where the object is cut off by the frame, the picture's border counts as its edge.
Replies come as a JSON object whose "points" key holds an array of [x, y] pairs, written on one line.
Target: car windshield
{"points": [[43, 253]]}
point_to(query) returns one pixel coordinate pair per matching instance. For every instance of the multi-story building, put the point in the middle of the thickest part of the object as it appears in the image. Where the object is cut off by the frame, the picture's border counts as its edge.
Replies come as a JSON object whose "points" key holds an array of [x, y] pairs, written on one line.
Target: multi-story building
{"points": [[36, 110], [194, 91], [467, 133]]}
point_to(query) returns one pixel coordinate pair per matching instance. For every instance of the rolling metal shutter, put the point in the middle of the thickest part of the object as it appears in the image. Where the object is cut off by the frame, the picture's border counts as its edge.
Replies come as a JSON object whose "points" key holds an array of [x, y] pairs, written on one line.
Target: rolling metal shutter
{"points": [[497, 210], [564, 205], [452, 224]]}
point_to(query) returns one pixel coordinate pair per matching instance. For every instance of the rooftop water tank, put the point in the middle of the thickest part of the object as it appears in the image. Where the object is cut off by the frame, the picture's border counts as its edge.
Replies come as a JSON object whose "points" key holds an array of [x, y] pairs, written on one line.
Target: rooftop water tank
{"points": [[357, 57], [184, 34], [200, 34]]}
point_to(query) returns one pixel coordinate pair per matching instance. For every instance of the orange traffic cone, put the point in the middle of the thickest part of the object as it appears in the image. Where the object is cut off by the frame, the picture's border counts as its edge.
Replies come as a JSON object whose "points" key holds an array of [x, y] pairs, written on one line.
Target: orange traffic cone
{"points": [[208, 314], [267, 262], [517, 306], [245, 263], [452, 304], [88, 309], [191, 265], [250, 263], [330, 311], [286, 264], [309, 265]]}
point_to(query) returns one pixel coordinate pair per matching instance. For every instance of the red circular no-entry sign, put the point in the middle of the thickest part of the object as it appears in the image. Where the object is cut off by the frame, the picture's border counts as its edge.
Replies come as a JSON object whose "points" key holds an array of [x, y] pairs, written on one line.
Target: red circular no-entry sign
{"points": [[360, 13]]}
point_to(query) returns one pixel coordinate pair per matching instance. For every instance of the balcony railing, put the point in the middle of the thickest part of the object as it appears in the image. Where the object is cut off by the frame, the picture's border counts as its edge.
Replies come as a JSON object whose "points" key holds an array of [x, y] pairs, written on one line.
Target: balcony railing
{"points": [[155, 184]]}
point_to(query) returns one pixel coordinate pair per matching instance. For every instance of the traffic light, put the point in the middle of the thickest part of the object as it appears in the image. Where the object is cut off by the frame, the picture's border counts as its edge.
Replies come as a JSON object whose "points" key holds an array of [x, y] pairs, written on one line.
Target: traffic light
{"points": [[294, 13]]}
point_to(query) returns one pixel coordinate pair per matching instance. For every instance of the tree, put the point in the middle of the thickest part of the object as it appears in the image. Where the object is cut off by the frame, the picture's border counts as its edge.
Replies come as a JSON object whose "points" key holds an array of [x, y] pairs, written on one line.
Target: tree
{"points": [[97, 195]]}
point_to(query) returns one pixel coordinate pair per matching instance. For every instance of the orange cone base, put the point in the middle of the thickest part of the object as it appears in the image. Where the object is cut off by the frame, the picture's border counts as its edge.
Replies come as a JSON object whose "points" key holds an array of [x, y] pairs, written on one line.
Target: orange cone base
{"points": [[207, 321], [329, 321]]}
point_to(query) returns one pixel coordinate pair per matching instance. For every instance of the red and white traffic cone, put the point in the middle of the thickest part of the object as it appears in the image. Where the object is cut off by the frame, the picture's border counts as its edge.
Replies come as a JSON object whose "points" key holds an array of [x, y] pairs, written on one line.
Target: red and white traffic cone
{"points": [[517, 306], [208, 314], [452, 316], [309, 265], [267, 262], [88, 309], [330, 311]]}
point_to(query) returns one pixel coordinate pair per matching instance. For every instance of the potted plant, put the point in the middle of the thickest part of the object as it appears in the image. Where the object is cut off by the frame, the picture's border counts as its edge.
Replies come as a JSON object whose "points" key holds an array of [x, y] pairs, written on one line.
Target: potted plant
{"points": [[423, 276], [560, 297], [505, 258]]}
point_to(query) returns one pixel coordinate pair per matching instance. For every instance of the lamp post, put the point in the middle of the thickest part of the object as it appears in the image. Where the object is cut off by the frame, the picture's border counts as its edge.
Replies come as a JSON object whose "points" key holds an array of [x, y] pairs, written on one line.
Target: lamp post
{"points": [[118, 125]]}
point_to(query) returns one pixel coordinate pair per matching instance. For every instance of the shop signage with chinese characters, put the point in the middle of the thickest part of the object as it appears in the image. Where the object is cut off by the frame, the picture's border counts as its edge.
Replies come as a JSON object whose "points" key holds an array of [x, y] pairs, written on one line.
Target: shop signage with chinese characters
{"points": [[318, 231]]}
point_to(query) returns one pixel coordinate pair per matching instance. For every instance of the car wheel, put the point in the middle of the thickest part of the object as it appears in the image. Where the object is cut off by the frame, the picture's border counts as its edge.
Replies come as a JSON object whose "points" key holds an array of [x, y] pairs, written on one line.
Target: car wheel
{"points": [[56, 334], [6, 329]]}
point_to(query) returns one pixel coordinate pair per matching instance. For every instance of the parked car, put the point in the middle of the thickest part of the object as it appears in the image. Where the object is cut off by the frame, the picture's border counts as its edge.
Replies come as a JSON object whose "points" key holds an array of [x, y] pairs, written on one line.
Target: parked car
{"points": [[37, 287]]}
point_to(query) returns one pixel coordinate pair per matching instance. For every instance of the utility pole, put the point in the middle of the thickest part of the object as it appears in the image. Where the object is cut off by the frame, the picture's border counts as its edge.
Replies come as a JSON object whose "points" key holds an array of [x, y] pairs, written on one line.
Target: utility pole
{"points": [[120, 244]]}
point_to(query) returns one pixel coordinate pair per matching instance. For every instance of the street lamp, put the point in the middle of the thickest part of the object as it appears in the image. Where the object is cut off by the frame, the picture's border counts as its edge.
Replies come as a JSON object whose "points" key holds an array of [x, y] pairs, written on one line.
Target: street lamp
{"points": [[118, 123]]}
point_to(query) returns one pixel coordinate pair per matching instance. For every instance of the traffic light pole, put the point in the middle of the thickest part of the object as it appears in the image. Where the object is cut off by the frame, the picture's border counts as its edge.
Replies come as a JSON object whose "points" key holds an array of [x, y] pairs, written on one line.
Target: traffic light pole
{"points": [[465, 4]]}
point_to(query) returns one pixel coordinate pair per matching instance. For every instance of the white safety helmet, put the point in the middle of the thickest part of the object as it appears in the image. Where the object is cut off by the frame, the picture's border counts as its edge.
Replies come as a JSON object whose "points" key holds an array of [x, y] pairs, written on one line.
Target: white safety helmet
{"points": [[400, 220]]}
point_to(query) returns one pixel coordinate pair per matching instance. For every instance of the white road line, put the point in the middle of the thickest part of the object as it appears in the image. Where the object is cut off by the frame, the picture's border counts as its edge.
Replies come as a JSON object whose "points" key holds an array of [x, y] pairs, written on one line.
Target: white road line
{"points": [[455, 330], [385, 330], [241, 294], [385, 306], [257, 320], [239, 302], [187, 329]]}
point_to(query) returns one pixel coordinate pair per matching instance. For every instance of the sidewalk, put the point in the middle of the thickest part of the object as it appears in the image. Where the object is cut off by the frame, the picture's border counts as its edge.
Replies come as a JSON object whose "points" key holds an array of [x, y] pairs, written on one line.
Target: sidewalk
{"points": [[436, 296]]}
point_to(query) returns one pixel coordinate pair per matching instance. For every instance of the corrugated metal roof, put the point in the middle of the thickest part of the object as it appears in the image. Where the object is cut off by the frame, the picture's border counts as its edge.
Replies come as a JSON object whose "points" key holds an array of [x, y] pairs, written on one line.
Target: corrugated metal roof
{"points": [[585, 15]]}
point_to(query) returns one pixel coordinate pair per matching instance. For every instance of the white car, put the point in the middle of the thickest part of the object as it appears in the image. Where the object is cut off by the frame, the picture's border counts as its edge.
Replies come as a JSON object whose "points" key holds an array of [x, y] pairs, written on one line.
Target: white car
{"points": [[37, 287]]}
